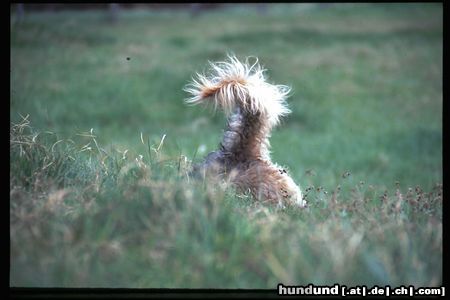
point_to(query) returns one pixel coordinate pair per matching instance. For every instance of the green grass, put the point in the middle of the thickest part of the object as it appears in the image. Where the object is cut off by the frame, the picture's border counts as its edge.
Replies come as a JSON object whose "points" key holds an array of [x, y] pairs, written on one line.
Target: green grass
{"points": [[94, 204]]}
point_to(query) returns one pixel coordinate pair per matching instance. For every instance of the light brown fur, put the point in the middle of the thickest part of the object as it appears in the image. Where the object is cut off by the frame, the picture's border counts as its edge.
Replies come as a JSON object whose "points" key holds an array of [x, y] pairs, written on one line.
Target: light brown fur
{"points": [[253, 107]]}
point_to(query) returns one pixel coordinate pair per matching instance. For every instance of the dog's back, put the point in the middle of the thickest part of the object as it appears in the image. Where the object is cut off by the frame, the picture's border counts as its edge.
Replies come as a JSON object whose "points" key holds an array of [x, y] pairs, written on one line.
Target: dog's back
{"points": [[253, 108]]}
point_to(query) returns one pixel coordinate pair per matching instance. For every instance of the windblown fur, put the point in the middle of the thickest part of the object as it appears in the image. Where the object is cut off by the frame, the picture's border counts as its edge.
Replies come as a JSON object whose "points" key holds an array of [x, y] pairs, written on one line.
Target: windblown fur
{"points": [[253, 107]]}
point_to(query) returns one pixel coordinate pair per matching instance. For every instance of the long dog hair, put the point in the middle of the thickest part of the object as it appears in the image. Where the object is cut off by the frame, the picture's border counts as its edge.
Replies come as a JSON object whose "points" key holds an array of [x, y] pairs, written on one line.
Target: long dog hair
{"points": [[253, 108]]}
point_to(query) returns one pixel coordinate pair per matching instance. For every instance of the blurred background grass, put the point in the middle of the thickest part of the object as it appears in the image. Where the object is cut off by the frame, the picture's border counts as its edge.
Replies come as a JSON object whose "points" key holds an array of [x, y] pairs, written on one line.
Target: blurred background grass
{"points": [[366, 99], [366, 81]]}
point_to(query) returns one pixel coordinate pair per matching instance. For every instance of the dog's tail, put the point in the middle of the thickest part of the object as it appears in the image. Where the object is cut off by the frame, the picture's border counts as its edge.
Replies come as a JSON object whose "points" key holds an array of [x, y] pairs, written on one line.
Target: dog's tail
{"points": [[235, 85]]}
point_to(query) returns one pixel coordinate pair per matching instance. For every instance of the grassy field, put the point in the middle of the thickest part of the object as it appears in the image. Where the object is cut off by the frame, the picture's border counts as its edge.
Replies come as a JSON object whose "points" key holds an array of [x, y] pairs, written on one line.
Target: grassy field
{"points": [[99, 199]]}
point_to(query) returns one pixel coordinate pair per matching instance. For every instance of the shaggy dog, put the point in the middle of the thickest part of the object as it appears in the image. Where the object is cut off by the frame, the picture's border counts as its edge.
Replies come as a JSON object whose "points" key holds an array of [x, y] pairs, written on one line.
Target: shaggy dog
{"points": [[253, 108]]}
